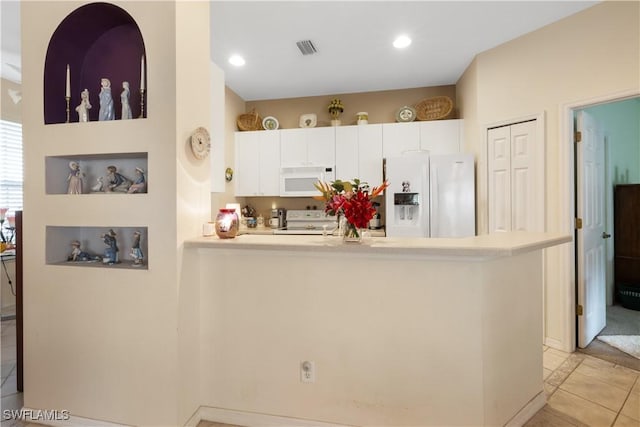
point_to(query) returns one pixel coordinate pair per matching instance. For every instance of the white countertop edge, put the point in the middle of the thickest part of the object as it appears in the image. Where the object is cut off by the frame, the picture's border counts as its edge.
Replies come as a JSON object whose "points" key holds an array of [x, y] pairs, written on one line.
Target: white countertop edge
{"points": [[478, 247]]}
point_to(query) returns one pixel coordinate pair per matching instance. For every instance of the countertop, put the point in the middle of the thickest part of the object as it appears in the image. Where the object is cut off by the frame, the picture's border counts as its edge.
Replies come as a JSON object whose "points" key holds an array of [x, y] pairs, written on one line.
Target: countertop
{"points": [[478, 247]]}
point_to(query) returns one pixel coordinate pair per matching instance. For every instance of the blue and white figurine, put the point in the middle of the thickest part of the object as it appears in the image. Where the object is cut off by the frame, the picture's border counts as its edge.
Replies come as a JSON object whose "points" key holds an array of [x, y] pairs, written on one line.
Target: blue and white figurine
{"points": [[111, 253], [106, 101]]}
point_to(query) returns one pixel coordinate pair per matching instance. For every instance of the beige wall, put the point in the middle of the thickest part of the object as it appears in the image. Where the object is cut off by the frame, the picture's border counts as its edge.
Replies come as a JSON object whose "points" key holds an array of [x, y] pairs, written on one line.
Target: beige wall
{"points": [[592, 54], [119, 344], [8, 109], [381, 106]]}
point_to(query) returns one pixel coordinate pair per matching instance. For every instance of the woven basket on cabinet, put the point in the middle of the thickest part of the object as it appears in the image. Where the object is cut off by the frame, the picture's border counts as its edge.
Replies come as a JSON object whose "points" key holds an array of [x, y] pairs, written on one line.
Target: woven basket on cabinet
{"points": [[249, 121], [435, 108]]}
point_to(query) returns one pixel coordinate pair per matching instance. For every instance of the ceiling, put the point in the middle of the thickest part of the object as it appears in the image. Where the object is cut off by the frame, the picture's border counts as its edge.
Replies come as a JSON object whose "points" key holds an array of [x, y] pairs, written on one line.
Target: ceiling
{"points": [[353, 39]]}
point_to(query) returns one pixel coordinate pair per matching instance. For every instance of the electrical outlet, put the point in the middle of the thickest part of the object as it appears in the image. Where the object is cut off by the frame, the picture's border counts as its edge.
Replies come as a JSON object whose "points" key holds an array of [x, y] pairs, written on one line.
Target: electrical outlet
{"points": [[308, 371]]}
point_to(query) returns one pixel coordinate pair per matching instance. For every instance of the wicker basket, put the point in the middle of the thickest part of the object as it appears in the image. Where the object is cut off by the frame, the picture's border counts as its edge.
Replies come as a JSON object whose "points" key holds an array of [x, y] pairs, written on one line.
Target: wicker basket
{"points": [[435, 108], [249, 121]]}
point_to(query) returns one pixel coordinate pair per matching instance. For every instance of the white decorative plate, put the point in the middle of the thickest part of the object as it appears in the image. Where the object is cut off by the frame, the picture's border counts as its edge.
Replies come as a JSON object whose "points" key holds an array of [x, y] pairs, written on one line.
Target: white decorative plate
{"points": [[200, 143], [308, 120], [270, 123], [406, 114]]}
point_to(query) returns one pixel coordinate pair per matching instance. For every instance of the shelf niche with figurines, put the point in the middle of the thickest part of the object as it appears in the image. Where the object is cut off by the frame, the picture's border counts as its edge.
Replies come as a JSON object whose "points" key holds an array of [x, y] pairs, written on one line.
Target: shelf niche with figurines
{"points": [[113, 173], [95, 67], [106, 247]]}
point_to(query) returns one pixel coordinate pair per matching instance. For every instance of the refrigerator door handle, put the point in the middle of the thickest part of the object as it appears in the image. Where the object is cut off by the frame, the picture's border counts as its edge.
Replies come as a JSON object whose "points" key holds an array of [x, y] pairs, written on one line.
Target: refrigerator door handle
{"points": [[433, 196]]}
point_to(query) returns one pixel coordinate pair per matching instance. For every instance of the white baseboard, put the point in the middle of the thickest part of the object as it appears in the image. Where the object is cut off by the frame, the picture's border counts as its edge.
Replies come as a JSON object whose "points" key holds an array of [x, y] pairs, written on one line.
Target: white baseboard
{"points": [[558, 345], [39, 416], [529, 410], [251, 419]]}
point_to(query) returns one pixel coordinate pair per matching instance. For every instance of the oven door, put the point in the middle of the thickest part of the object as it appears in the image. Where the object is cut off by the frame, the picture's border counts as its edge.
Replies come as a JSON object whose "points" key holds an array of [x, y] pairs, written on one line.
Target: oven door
{"points": [[299, 181]]}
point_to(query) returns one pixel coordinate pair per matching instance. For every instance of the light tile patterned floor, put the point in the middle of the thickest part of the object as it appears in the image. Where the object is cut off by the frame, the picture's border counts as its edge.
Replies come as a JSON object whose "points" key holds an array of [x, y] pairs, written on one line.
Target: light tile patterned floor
{"points": [[581, 390]]}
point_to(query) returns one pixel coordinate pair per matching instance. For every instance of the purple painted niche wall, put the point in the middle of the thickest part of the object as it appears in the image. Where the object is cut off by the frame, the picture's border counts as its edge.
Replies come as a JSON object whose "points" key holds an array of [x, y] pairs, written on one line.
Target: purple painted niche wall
{"points": [[97, 40]]}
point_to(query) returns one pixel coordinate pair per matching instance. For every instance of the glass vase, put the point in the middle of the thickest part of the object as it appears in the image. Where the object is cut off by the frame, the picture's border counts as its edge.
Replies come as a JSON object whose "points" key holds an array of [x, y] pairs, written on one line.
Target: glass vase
{"points": [[351, 233], [227, 223]]}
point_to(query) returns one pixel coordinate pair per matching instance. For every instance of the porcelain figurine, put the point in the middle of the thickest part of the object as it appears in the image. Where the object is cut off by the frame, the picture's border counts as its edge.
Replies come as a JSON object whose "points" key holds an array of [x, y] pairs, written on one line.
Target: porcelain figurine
{"points": [[124, 100], [111, 253], [106, 101], [74, 179], [78, 254], [140, 182], [99, 186], [136, 252], [84, 107], [116, 181]]}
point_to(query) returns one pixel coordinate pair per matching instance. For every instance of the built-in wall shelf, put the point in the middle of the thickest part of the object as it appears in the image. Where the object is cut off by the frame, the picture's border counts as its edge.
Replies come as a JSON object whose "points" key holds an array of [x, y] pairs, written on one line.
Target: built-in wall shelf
{"points": [[95, 173], [94, 245], [96, 41]]}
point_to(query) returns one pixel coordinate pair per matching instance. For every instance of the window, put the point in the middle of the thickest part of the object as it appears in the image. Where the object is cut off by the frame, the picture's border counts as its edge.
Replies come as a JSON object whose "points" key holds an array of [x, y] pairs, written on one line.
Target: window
{"points": [[10, 165]]}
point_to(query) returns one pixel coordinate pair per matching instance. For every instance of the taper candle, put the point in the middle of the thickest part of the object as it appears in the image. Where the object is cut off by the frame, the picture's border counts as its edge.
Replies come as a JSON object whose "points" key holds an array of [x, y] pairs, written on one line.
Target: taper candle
{"points": [[67, 92], [142, 73]]}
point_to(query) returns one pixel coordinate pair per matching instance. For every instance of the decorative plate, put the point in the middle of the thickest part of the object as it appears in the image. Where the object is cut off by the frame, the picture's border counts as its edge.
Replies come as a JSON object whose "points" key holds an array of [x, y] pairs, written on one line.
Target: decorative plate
{"points": [[270, 123], [200, 143], [406, 114], [308, 120]]}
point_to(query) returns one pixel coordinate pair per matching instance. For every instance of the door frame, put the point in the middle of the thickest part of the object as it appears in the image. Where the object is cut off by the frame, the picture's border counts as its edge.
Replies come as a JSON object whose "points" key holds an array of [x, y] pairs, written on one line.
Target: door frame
{"points": [[566, 182]]}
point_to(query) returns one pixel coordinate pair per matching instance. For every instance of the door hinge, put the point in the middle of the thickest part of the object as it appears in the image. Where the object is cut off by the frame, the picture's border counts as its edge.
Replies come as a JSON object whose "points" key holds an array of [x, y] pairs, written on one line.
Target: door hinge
{"points": [[578, 136], [578, 310], [578, 223]]}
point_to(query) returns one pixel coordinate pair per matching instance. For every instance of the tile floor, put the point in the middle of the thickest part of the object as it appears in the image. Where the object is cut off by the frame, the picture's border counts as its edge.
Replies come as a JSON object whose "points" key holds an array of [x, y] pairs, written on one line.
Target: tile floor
{"points": [[581, 390]]}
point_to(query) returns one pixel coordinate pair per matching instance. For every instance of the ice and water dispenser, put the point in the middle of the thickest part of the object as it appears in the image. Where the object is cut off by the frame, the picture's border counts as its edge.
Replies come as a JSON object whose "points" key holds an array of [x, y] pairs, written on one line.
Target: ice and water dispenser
{"points": [[406, 208]]}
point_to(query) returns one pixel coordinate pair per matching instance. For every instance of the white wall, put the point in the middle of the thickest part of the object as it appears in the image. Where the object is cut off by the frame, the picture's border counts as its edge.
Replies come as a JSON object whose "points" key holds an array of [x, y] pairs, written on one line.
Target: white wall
{"points": [[590, 54]]}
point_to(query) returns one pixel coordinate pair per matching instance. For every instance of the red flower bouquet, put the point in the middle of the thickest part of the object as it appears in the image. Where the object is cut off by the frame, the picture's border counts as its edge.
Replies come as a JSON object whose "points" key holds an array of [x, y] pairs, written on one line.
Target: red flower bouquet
{"points": [[351, 200]]}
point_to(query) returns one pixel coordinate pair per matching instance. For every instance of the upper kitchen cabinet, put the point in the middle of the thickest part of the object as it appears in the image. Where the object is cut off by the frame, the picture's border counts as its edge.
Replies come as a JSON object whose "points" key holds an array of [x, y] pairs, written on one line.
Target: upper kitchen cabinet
{"points": [[359, 153], [441, 136], [307, 147], [94, 42], [437, 137], [257, 163]]}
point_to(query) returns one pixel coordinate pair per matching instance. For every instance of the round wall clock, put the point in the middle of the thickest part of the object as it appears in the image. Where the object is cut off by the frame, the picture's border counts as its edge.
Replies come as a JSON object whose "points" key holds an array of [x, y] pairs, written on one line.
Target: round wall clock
{"points": [[200, 143]]}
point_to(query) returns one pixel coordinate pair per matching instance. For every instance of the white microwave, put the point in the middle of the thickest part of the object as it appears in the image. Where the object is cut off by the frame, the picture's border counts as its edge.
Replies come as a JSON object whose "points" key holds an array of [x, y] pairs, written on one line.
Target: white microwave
{"points": [[298, 181]]}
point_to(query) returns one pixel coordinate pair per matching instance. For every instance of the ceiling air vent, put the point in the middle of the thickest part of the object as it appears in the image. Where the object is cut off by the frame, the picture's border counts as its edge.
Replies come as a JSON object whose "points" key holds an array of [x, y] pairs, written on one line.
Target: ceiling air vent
{"points": [[306, 47]]}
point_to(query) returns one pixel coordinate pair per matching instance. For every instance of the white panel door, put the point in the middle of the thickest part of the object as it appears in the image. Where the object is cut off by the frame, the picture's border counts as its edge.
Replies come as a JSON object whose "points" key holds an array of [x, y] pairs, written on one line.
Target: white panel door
{"points": [[399, 138], [515, 183], [591, 270], [523, 178], [499, 179]]}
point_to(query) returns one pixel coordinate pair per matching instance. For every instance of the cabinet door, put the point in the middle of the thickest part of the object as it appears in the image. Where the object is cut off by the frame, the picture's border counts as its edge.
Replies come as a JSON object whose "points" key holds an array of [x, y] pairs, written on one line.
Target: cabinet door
{"points": [[440, 136], [370, 154], [321, 146], [269, 181], [247, 163], [347, 153], [400, 137], [293, 147]]}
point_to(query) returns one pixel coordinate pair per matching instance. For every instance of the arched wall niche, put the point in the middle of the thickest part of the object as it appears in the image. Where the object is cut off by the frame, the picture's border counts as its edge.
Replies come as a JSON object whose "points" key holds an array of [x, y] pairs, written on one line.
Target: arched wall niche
{"points": [[97, 40]]}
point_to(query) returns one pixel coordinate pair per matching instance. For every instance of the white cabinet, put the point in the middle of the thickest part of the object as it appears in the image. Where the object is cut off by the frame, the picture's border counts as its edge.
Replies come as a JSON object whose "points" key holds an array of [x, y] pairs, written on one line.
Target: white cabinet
{"points": [[437, 137], [400, 137], [441, 136], [359, 153], [307, 147], [257, 163]]}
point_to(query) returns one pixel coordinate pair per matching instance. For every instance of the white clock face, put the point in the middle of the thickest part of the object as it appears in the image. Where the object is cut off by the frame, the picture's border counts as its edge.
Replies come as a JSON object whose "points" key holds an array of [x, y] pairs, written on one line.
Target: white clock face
{"points": [[200, 143]]}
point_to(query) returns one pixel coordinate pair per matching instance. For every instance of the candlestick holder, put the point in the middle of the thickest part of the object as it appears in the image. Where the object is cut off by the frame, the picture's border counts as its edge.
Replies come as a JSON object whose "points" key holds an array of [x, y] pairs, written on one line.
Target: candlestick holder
{"points": [[141, 104], [68, 98]]}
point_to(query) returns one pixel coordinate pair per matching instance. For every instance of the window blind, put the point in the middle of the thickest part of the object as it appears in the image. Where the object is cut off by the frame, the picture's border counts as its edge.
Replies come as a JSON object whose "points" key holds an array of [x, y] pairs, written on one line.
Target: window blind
{"points": [[11, 165]]}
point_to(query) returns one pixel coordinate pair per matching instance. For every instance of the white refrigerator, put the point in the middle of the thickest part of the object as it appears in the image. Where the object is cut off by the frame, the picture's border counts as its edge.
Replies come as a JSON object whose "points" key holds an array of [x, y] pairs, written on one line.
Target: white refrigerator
{"points": [[430, 195]]}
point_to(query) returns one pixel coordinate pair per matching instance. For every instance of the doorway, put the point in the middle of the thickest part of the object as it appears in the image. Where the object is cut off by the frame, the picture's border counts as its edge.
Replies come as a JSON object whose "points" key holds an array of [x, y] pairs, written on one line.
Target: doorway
{"points": [[614, 124]]}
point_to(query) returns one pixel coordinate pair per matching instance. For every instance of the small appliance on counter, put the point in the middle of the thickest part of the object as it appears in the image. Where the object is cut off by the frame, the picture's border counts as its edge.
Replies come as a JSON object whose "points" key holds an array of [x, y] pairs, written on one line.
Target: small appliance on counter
{"points": [[308, 222], [278, 218]]}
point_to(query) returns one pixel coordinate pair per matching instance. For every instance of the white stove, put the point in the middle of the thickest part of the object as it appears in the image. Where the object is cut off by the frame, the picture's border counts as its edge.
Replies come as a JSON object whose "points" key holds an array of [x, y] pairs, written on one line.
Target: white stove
{"points": [[308, 222]]}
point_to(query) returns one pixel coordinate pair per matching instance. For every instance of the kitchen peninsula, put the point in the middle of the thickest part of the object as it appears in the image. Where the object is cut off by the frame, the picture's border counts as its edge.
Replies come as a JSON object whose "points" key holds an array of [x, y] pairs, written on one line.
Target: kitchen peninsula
{"points": [[401, 331]]}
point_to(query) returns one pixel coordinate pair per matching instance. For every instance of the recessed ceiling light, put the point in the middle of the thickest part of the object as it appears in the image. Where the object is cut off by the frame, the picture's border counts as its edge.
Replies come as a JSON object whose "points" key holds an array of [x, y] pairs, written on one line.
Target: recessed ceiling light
{"points": [[237, 60], [401, 42]]}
